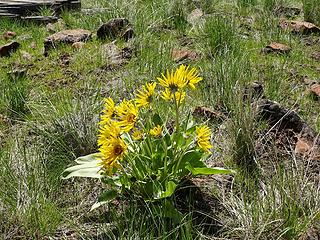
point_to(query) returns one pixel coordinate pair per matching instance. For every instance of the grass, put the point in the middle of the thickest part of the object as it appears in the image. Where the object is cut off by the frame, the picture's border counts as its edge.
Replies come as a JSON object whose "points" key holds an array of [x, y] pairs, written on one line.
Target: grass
{"points": [[49, 116]]}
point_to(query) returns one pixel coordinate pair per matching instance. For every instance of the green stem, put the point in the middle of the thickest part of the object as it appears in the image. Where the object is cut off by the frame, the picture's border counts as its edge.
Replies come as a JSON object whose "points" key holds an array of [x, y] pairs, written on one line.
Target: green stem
{"points": [[177, 115]]}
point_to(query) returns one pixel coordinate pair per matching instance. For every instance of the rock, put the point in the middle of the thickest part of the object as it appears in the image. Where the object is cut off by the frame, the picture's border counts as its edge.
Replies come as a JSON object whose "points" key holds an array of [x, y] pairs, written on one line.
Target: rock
{"points": [[113, 29], [284, 119], [116, 57], [26, 55], [299, 26], [179, 55], [128, 34], [276, 48], [316, 56], [66, 36], [78, 45], [303, 146], [195, 16], [127, 53], [64, 59], [7, 49], [309, 148], [253, 91], [8, 35], [315, 90]]}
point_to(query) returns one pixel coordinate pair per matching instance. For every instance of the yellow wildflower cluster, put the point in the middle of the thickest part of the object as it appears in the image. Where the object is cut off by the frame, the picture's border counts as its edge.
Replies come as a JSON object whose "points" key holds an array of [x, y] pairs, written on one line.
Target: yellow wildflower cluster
{"points": [[114, 121], [117, 120], [175, 83]]}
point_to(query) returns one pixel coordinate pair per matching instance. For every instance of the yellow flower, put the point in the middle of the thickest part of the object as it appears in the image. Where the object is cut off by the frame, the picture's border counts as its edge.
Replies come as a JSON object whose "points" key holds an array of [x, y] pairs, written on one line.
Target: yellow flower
{"points": [[178, 96], [156, 131], [144, 96], [203, 138], [137, 134], [108, 111], [109, 130], [112, 152], [191, 76], [173, 80], [128, 115]]}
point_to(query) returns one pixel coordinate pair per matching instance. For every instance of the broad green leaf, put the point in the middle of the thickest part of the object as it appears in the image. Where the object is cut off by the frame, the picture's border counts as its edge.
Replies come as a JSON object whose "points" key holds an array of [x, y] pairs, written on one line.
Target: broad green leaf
{"points": [[208, 171], [191, 130], [104, 198], [192, 157], [181, 141], [114, 181], [171, 212], [107, 196], [170, 188], [156, 119]]}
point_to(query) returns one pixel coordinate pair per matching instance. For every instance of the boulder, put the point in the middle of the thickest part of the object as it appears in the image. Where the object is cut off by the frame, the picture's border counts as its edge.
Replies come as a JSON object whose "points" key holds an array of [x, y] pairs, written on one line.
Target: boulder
{"points": [[7, 49], [66, 36], [117, 27]]}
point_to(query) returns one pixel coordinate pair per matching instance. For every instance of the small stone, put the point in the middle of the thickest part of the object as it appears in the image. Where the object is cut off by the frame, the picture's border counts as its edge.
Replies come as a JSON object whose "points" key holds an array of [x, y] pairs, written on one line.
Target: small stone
{"points": [[116, 57], [66, 36], [315, 90], [78, 45], [7, 49], [299, 26], [179, 55], [113, 29], [276, 48], [303, 146], [8, 35]]}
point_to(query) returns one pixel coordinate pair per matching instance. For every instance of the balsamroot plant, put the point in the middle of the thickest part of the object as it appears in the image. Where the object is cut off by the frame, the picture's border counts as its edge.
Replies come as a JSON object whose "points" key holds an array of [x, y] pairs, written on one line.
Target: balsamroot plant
{"points": [[145, 152]]}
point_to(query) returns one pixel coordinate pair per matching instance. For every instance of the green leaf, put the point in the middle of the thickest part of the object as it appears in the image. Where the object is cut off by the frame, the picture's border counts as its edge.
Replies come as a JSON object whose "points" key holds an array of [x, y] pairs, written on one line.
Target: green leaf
{"points": [[88, 166], [171, 212], [108, 195], [170, 188], [208, 171], [104, 198], [192, 157], [156, 119], [181, 141], [191, 130]]}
